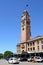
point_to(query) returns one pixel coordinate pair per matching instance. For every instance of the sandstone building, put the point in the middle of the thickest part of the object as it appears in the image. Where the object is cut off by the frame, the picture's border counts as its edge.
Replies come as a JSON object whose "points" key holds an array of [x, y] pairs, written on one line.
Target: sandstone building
{"points": [[28, 44]]}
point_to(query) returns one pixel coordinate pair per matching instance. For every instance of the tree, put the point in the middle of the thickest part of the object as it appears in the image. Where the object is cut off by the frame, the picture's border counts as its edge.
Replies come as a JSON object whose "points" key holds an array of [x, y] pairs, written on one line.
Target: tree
{"points": [[1, 55], [8, 54]]}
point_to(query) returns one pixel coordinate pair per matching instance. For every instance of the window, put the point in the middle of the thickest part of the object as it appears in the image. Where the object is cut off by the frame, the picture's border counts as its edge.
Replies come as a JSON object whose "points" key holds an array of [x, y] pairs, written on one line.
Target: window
{"points": [[28, 22], [42, 46], [28, 49], [30, 44], [38, 47], [11, 59], [33, 48], [22, 51], [23, 46], [23, 29], [33, 43]]}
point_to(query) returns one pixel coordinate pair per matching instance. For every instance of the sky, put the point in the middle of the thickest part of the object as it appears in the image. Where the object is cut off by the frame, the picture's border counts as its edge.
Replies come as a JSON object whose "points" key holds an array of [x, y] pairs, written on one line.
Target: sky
{"points": [[10, 21]]}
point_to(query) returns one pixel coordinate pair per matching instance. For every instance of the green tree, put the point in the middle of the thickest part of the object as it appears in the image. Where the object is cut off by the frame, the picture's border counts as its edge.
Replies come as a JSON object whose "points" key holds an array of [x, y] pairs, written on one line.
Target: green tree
{"points": [[8, 54], [1, 55]]}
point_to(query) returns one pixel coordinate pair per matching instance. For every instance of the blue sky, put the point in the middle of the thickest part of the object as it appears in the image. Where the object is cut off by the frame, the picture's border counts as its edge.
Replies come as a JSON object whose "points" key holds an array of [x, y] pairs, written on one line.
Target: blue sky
{"points": [[10, 21]]}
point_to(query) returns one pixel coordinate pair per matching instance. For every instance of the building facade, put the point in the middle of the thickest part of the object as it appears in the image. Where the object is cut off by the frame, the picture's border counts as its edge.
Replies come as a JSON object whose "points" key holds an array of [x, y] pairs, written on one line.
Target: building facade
{"points": [[28, 44]]}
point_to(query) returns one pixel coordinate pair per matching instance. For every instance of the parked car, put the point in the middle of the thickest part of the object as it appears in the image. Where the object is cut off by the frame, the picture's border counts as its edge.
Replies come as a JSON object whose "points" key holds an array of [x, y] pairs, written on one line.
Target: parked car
{"points": [[13, 60], [22, 59], [38, 59], [29, 59]]}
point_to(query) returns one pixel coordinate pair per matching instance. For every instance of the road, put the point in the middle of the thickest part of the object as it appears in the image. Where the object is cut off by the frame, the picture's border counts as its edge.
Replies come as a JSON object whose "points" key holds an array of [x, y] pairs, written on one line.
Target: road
{"points": [[4, 62]]}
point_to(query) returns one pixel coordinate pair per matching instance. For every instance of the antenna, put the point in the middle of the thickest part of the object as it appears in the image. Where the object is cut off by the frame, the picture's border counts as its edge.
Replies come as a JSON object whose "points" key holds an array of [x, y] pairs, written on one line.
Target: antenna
{"points": [[27, 5]]}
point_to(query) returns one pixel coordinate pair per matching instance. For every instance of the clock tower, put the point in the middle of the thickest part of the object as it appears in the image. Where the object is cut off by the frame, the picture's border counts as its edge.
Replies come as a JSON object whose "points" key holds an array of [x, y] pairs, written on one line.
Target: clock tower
{"points": [[25, 27]]}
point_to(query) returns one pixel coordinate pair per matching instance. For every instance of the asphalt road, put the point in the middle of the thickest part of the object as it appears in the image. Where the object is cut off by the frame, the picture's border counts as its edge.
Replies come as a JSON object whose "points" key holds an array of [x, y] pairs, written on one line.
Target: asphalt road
{"points": [[4, 62]]}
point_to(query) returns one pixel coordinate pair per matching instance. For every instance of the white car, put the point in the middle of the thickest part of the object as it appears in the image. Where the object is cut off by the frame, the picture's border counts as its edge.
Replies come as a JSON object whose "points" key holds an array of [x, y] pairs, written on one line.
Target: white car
{"points": [[38, 59], [29, 59], [13, 60]]}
